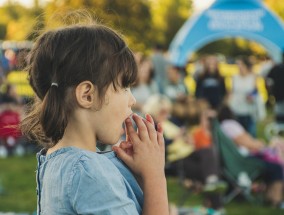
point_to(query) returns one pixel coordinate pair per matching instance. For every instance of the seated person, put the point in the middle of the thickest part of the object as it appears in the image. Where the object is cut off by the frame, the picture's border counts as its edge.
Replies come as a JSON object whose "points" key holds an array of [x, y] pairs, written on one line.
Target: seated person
{"points": [[10, 117], [249, 146], [199, 165], [175, 88], [10, 95]]}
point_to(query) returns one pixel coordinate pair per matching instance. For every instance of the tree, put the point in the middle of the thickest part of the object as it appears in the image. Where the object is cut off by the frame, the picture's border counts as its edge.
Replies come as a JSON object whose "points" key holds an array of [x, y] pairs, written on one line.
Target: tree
{"points": [[131, 17], [167, 18], [143, 22], [17, 22], [3, 31]]}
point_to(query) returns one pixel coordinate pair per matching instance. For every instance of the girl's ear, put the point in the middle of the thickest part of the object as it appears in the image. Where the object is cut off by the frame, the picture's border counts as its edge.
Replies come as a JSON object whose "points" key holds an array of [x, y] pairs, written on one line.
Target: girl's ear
{"points": [[86, 94]]}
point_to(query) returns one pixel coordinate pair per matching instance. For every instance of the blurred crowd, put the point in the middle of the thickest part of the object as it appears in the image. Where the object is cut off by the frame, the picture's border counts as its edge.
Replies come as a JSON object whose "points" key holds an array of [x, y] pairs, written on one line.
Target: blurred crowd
{"points": [[12, 106], [238, 107], [186, 117]]}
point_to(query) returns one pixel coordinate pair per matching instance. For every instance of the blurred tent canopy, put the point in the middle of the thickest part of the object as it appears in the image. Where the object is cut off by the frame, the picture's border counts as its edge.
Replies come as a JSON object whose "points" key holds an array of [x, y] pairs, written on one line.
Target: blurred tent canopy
{"points": [[249, 19]]}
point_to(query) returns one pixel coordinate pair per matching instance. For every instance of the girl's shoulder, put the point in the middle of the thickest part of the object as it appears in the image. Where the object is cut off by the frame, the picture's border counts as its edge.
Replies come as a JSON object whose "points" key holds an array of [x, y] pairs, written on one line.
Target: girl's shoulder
{"points": [[95, 164], [88, 167], [78, 160]]}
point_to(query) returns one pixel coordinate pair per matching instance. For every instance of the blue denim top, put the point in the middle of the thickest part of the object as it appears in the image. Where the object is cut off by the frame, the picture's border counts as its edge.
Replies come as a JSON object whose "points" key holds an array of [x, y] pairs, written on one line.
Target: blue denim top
{"points": [[75, 181]]}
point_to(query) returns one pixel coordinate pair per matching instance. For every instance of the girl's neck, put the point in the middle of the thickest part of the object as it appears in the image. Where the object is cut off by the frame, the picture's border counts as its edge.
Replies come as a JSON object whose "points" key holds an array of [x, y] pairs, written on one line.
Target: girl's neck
{"points": [[71, 143], [77, 134]]}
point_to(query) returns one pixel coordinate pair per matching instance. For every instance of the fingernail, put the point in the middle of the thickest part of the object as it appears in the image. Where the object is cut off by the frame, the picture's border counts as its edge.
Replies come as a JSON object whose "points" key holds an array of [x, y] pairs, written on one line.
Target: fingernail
{"points": [[128, 120], [160, 128], [148, 117]]}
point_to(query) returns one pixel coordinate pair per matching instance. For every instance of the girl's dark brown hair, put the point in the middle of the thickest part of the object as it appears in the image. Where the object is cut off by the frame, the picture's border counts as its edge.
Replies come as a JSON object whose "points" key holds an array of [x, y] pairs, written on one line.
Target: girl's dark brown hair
{"points": [[67, 56]]}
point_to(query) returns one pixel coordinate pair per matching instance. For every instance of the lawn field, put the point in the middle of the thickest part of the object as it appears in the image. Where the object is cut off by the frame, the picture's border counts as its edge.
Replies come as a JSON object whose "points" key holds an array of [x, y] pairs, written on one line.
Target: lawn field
{"points": [[18, 180], [17, 176]]}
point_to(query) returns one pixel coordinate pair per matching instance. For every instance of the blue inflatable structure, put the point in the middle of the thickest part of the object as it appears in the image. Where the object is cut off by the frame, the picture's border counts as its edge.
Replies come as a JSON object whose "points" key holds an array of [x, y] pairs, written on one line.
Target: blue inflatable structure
{"points": [[249, 19]]}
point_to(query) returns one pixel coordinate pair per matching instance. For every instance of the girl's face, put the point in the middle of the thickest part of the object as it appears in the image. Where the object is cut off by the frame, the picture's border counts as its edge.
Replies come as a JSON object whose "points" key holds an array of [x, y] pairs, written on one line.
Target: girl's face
{"points": [[110, 118]]}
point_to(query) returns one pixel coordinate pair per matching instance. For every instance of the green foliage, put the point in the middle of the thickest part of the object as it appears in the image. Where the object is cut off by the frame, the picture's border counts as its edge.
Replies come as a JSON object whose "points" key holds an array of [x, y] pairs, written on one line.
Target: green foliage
{"points": [[3, 31], [178, 12], [131, 17], [167, 17], [17, 21], [143, 22]]}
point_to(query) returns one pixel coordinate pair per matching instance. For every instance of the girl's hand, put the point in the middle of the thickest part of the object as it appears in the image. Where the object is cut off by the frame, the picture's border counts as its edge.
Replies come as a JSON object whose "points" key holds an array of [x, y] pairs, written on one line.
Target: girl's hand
{"points": [[146, 157], [127, 147]]}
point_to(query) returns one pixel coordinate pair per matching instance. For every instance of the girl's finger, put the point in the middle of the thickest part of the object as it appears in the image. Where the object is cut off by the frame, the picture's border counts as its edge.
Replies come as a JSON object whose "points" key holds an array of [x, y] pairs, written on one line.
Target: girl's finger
{"points": [[127, 147], [126, 158], [132, 135], [160, 128], [150, 119], [151, 130], [160, 136], [142, 129], [124, 145]]}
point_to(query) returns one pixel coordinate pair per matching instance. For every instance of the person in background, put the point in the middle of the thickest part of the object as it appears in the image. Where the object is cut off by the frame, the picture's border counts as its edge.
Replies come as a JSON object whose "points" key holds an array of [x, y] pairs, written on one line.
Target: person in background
{"points": [[242, 97], [250, 146], [145, 85], [199, 67], [160, 64], [10, 95], [4, 63], [175, 89], [275, 84], [10, 134], [266, 64], [191, 149], [210, 85]]}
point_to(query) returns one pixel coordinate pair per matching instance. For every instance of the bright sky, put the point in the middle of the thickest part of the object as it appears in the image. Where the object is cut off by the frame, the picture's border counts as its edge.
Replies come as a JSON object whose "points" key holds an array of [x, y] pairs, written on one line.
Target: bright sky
{"points": [[198, 4], [27, 3]]}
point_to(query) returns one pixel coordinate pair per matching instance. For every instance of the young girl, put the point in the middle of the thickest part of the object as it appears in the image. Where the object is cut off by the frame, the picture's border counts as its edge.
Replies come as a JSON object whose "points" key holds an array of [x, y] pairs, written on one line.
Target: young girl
{"points": [[81, 76]]}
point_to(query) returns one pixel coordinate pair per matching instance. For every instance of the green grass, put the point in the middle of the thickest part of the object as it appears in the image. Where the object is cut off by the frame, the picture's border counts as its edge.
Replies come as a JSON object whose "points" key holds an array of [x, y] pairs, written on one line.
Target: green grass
{"points": [[18, 178], [176, 192]]}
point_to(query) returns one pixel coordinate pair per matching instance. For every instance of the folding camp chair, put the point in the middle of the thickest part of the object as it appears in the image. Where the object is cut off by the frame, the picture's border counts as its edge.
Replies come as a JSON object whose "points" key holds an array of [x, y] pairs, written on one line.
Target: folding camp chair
{"points": [[238, 170]]}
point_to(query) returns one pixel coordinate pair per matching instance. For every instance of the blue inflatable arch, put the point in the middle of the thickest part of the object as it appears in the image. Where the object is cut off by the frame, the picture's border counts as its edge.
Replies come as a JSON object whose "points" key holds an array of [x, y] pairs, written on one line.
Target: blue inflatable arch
{"points": [[249, 19]]}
